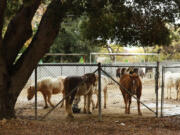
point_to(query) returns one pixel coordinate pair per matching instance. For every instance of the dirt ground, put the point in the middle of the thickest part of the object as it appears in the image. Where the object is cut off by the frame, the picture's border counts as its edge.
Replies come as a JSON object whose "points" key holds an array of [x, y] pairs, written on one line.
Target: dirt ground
{"points": [[114, 121]]}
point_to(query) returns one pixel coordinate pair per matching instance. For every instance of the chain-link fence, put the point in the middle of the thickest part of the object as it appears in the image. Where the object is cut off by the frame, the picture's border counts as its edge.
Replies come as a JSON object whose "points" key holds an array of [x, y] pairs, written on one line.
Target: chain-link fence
{"points": [[170, 89], [151, 101]]}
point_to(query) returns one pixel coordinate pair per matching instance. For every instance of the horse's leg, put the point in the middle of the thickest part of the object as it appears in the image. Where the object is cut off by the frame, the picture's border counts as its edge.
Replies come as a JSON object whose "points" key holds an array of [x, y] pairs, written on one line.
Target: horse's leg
{"points": [[105, 96], [129, 98], [68, 103], [93, 104], [49, 99], [178, 93], [125, 101], [45, 100], [62, 104], [68, 107], [85, 104], [138, 103], [97, 102], [126, 104], [170, 92], [167, 92], [89, 102]]}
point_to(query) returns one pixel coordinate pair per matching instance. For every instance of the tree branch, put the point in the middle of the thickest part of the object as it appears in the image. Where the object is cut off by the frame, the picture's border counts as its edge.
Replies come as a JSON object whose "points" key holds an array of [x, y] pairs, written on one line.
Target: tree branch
{"points": [[3, 68], [2, 9], [19, 31], [47, 32]]}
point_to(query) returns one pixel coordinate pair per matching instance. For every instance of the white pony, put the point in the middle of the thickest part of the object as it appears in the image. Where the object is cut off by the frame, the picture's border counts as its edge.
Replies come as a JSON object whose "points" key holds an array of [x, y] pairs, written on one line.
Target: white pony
{"points": [[47, 86]]}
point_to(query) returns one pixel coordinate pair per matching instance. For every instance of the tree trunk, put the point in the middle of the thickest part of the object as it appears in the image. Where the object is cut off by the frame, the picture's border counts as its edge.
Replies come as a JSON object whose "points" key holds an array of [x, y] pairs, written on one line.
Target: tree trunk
{"points": [[13, 76], [7, 104], [7, 98], [110, 50]]}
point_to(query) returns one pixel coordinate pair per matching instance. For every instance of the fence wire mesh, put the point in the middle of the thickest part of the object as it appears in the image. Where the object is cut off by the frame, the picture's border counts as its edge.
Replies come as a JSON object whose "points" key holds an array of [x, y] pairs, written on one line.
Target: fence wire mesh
{"points": [[170, 89], [114, 103]]}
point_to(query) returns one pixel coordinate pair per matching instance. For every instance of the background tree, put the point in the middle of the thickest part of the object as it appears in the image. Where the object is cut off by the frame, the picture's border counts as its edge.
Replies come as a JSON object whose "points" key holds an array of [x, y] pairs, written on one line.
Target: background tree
{"points": [[173, 50], [139, 23], [70, 40], [128, 22]]}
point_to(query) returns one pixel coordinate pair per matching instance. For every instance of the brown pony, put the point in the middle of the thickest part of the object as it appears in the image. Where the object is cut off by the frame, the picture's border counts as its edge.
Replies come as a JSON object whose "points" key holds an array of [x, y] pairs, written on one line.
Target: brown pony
{"points": [[132, 84], [78, 86], [47, 86]]}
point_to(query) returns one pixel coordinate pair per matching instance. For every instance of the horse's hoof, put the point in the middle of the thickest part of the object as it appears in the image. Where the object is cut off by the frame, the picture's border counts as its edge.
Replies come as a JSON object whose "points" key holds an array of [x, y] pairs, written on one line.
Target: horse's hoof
{"points": [[76, 110], [84, 111], [126, 112], [45, 107], [89, 113], [70, 116]]}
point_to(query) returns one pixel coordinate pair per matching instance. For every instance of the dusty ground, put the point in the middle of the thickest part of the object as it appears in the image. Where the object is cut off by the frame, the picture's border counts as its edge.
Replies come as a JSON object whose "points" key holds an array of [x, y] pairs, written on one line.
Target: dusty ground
{"points": [[116, 124], [114, 121]]}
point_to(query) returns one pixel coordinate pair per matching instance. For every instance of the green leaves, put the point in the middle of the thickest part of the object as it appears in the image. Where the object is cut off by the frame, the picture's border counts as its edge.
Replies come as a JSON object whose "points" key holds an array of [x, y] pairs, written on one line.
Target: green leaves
{"points": [[132, 22], [70, 40]]}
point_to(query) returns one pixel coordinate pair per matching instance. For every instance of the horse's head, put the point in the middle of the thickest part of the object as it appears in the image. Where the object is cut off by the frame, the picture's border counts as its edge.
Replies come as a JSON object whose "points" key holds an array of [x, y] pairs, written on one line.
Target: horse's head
{"points": [[124, 71], [134, 82], [90, 78], [30, 92]]}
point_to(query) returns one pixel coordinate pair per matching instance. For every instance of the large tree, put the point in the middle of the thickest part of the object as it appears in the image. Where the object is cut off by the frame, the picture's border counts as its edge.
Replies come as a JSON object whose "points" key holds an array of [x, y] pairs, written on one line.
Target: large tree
{"points": [[116, 20]]}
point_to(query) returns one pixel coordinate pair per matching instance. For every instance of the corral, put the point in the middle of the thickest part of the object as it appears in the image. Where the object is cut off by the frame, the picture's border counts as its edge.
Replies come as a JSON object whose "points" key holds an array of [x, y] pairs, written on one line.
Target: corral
{"points": [[115, 104]]}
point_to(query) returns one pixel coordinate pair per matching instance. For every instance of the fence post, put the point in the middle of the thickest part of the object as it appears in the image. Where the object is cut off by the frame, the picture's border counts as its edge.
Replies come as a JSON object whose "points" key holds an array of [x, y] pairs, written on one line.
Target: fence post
{"points": [[99, 91], [36, 93], [156, 86], [162, 92]]}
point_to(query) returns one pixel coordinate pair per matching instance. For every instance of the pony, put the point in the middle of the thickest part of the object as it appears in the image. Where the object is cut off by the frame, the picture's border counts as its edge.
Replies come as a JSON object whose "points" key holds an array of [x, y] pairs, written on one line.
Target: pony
{"points": [[132, 84], [47, 86], [79, 86], [104, 84]]}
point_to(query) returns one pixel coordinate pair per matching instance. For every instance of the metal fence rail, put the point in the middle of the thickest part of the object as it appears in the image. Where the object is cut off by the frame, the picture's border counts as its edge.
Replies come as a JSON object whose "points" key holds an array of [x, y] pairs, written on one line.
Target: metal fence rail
{"points": [[108, 70]]}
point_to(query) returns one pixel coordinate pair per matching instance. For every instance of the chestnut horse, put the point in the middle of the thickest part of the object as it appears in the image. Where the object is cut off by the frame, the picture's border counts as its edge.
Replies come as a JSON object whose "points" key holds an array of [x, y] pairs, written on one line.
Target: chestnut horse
{"points": [[132, 84]]}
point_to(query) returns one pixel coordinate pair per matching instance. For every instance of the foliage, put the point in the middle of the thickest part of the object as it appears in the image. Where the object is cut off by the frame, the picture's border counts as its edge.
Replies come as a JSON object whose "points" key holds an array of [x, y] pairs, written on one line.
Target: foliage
{"points": [[70, 40], [133, 22]]}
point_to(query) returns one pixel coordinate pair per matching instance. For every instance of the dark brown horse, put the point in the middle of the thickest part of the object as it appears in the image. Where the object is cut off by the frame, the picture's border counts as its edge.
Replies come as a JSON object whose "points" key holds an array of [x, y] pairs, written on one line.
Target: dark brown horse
{"points": [[132, 84], [78, 86]]}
